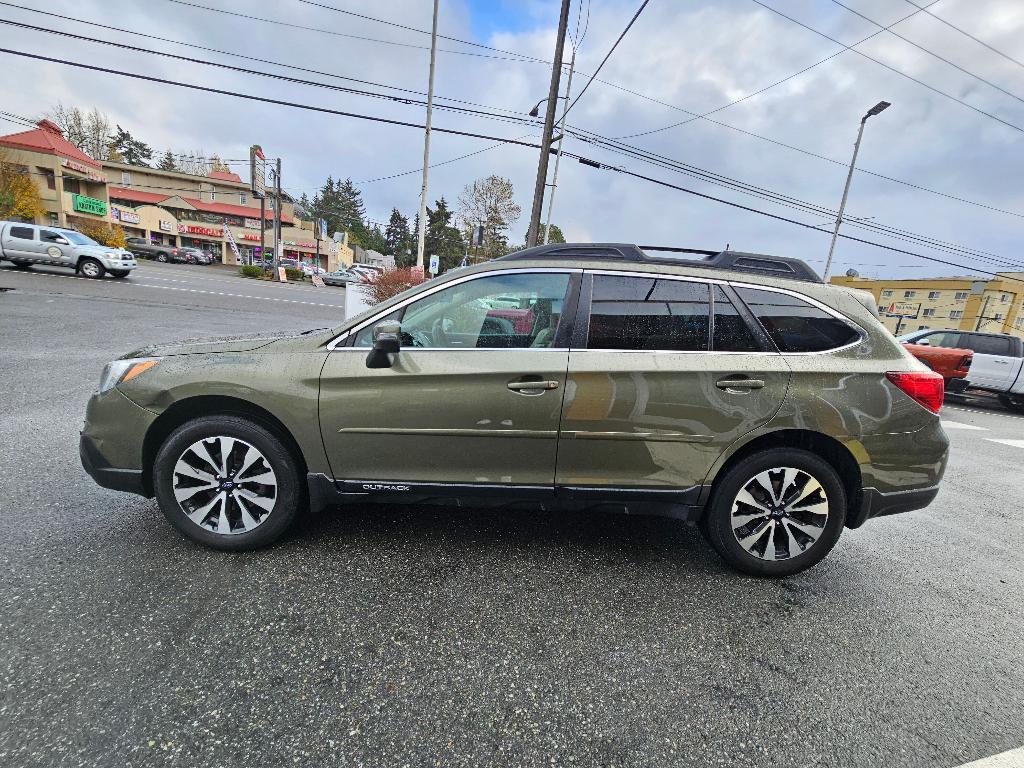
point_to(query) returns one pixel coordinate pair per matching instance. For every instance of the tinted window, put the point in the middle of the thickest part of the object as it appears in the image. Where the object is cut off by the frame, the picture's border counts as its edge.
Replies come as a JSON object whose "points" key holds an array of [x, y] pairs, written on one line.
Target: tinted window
{"points": [[494, 312], [647, 313], [49, 236], [942, 339], [987, 345], [795, 325], [22, 233], [731, 332]]}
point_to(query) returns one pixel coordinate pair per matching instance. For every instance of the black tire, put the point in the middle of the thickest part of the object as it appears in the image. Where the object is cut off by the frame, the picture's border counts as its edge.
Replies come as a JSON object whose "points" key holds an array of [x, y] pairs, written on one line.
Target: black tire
{"points": [[22, 265], [119, 272], [91, 268], [162, 257], [718, 517], [290, 492], [1012, 402]]}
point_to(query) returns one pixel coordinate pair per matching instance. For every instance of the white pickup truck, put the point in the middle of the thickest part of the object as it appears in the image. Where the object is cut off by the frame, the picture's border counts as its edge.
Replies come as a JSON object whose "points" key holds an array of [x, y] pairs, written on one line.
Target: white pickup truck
{"points": [[998, 365], [28, 244]]}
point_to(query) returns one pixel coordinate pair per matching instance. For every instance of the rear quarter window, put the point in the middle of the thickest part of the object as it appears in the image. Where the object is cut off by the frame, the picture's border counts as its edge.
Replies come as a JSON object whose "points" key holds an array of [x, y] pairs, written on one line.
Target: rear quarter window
{"points": [[22, 233], [796, 325]]}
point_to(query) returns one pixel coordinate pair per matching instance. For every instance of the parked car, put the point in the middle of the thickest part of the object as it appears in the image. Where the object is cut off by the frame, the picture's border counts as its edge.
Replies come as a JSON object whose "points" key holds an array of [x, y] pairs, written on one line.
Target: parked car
{"points": [[308, 270], [773, 411], [343, 277], [191, 255], [998, 362], [140, 246], [369, 270], [27, 244], [952, 364]]}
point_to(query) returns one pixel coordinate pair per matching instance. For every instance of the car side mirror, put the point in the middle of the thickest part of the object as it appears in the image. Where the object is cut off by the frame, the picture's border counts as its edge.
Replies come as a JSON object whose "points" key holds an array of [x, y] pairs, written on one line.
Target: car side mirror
{"points": [[386, 342], [61, 241], [923, 342]]}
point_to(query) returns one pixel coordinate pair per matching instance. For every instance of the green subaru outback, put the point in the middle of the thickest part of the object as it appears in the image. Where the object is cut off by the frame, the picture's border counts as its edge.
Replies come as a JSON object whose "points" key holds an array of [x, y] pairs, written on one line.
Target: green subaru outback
{"points": [[735, 390]]}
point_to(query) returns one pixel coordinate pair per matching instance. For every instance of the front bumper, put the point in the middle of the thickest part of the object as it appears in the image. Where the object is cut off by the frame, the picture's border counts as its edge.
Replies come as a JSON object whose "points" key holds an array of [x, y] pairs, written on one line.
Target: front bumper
{"points": [[118, 264], [128, 480]]}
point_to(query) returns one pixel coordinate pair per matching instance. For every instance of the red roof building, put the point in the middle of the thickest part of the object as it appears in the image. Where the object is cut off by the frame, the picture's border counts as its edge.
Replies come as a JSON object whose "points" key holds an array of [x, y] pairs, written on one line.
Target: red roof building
{"points": [[225, 176], [48, 139]]}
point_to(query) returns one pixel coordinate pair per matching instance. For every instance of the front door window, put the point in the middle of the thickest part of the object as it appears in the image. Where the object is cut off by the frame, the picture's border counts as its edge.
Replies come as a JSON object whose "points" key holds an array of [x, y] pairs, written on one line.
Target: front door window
{"points": [[492, 312]]}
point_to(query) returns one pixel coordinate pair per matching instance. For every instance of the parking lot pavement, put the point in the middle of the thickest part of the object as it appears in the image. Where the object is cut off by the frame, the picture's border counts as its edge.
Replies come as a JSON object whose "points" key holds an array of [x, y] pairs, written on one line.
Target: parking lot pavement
{"points": [[443, 636]]}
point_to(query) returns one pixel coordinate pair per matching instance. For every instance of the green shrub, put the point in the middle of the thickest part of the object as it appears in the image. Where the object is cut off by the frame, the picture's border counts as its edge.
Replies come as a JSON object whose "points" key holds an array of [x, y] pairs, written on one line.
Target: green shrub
{"points": [[293, 274], [250, 270]]}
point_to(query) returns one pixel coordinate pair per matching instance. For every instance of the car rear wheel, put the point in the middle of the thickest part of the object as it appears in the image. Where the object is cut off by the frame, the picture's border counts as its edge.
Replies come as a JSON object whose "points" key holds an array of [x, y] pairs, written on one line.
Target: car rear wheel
{"points": [[227, 482], [161, 257], [22, 265], [91, 268], [1013, 402], [776, 512]]}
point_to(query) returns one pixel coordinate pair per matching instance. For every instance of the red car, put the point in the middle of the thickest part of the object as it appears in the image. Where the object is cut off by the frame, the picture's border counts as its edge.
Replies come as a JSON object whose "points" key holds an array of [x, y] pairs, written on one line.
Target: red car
{"points": [[953, 364]]}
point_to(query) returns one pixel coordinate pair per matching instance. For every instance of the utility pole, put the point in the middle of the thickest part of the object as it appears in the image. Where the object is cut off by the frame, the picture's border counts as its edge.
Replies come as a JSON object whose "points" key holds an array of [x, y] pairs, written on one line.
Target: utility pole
{"points": [[561, 143], [277, 212], [263, 231], [879, 107], [422, 234], [533, 232], [984, 313]]}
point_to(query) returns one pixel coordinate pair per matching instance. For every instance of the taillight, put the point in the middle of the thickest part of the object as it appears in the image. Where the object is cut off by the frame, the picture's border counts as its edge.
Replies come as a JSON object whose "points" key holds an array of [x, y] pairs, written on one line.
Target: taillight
{"points": [[966, 362], [924, 387]]}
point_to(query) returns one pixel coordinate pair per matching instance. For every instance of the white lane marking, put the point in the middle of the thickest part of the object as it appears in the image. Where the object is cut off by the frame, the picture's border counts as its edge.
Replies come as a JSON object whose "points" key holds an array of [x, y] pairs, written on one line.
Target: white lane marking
{"points": [[1000, 414], [1011, 443], [961, 425], [1012, 759], [188, 290], [204, 279]]}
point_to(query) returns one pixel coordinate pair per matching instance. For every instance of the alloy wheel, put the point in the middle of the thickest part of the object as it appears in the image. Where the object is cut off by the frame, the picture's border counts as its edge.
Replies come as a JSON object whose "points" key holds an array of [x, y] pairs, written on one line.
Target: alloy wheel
{"points": [[90, 269], [779, 513], [225, 485]]}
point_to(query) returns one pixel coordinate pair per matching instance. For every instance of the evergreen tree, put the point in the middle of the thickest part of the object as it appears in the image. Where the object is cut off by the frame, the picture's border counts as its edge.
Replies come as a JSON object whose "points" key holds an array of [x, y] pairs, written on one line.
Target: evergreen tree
{"points": [[349, 202], [168, 162], [555, 234], [396, 236], [442, 238], [130, 149]]}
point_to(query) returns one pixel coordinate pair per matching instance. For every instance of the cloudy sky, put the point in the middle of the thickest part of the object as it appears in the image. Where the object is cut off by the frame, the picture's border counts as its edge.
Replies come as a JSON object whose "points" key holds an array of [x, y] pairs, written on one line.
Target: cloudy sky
{"points": [[682, 55]]}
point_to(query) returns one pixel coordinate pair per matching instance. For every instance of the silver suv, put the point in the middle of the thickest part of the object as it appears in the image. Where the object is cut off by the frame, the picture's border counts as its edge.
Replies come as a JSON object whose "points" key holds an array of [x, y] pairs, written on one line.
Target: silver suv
{"points": [[28, 244]]}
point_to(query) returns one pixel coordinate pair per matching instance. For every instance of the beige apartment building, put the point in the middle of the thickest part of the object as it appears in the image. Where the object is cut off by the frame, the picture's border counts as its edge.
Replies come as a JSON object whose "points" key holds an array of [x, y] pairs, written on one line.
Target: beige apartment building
{"points": [[995, 304], [164, 207]]}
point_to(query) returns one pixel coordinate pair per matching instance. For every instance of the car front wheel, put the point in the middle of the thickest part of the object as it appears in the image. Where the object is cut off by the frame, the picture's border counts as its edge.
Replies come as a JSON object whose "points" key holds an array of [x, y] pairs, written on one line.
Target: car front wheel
{"points": [[227, 482], [776, 512], [91, 268]]}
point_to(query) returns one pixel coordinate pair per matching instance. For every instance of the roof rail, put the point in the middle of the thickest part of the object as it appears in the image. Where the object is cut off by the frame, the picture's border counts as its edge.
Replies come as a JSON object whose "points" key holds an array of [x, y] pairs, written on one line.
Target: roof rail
{"points": [[737, 261]]}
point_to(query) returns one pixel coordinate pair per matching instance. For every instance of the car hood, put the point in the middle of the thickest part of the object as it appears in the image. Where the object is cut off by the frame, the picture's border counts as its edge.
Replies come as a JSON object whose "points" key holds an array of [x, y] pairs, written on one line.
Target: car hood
{"points": [[245, 343]]}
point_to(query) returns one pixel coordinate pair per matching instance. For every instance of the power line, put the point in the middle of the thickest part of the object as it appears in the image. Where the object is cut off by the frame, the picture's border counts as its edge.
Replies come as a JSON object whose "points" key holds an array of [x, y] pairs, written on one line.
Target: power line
{"points": [[968, 34], [786, 79], [606, 57], [930, 53], [421, 31], [899, 72], [342, 34]]}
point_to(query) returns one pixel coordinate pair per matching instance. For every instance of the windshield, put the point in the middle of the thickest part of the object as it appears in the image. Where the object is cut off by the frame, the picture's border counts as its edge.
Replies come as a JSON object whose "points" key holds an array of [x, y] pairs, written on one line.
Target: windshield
{"points": [[78, 238]]}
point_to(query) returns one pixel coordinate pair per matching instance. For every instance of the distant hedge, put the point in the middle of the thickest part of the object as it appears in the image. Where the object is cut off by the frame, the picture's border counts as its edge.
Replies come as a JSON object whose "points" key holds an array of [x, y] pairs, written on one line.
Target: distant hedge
{"points": [[250, 270], [293, 274]]}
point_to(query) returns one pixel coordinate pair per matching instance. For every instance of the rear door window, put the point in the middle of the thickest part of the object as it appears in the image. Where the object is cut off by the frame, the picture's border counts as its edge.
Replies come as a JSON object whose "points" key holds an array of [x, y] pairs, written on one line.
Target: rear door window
{"points": [[731, 333], [646, 313], [988, 345], [796, 325], [22, 233]]}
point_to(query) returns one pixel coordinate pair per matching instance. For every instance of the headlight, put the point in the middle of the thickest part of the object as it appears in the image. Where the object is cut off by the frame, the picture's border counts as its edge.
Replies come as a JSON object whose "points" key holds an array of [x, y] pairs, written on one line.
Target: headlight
{"points": [[122, 370]]}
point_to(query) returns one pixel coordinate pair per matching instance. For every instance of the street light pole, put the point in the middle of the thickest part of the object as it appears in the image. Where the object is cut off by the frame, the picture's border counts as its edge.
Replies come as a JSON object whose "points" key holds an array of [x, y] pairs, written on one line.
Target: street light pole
{"points": [[561, 143], [533, 232], [422, 234], [879, 107]]}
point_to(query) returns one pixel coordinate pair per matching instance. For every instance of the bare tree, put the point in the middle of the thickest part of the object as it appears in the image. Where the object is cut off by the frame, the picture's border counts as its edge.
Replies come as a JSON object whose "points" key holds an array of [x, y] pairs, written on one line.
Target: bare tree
{"points": [[194, 163], [89, 131], [489, 202]]}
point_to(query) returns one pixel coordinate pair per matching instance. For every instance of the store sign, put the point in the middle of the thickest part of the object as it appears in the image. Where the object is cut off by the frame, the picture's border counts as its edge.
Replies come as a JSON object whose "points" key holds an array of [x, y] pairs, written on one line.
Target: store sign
{"points": [[299, 245], [125, 217], [192, 229], [250, 236], [251, 223], [82, 168], [166, 226], [88, 205]]}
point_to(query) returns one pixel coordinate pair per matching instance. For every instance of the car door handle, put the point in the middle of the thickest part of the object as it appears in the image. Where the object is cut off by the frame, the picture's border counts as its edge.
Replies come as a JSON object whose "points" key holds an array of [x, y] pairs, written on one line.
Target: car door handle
{"points": [[520, 386], [739, 384]]}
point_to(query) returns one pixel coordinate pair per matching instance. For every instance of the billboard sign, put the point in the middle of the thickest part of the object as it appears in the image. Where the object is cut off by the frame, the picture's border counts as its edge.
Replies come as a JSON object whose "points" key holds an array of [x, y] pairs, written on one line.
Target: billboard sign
{"points": [[903, 309], [257, 171]]}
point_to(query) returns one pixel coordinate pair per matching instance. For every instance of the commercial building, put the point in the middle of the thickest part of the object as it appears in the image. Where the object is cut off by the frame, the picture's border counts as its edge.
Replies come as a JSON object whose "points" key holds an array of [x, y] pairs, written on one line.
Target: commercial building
{"points": [[995, 305], [165, 207]]}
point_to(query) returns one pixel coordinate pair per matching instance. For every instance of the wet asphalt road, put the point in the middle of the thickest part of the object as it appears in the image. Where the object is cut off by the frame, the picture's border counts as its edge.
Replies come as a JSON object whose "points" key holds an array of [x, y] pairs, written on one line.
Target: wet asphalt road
{"points": [[425, 636]]}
